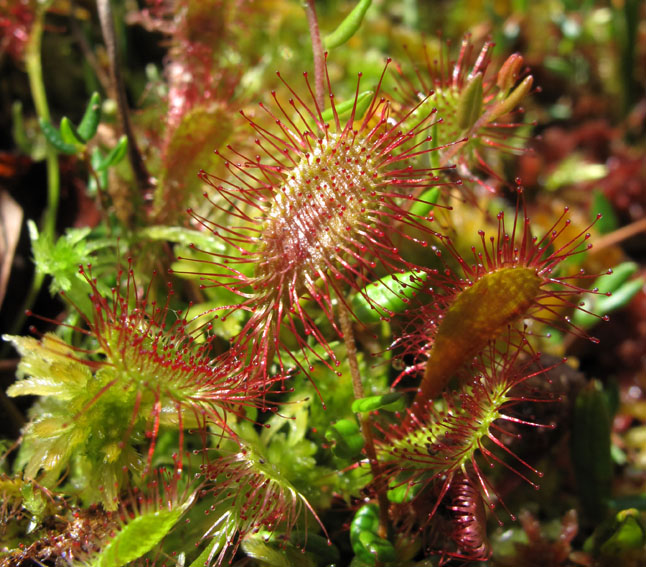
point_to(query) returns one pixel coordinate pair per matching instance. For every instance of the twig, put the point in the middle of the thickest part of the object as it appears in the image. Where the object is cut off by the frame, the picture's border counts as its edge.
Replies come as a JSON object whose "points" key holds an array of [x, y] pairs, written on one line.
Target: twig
{"points": [[620, 234], [317, 50], [142, 177]]}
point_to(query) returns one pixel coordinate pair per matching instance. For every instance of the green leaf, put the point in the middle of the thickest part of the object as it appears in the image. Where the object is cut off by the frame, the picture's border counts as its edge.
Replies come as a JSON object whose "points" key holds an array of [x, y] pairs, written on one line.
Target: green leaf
{"points": [[601, 205], [590, 445], [90, 121], [34, 502], [424, 205], [619, 298], [69, 134], [209, 551], [373, 403], [184, 236], [381, 549], [347, 438], [366, 544], [138, 537], [115, 155], [344, 109], [267, 551], [387, 296], [572, 170], [616, 277], [402, 491], [318, 546], [628, 534], [470, 104], [61, 260], [18, 128], [615, 282], [55, 139], [348, 26], [95, 185], [366, 519]]}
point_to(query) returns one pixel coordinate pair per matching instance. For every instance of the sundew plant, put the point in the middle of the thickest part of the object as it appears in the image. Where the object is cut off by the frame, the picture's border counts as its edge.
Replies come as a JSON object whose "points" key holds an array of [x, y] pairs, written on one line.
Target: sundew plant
{"points": [[317, 285]]}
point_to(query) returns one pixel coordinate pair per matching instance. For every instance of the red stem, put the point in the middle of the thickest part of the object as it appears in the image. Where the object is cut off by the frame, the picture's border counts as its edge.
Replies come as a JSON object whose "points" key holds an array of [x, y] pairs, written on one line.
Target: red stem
{"points": [[317, 50]]}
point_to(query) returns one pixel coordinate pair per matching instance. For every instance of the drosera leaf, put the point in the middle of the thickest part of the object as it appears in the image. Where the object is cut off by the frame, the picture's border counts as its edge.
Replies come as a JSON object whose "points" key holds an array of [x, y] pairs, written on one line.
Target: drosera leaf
{"points": [[215, 545], [344, 109], [257, 547], [509, 73], [512, 101], [349, 26], [470, 322], [90, 121], [318, 546], [387, 296], [392, 401], [470, 104]]}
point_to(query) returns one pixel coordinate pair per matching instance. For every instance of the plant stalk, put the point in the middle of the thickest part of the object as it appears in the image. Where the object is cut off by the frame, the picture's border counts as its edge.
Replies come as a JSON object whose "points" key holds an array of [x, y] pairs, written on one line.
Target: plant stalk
{"points": [[141, 174], [34, 68], [364, 418], [317, 51]]}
